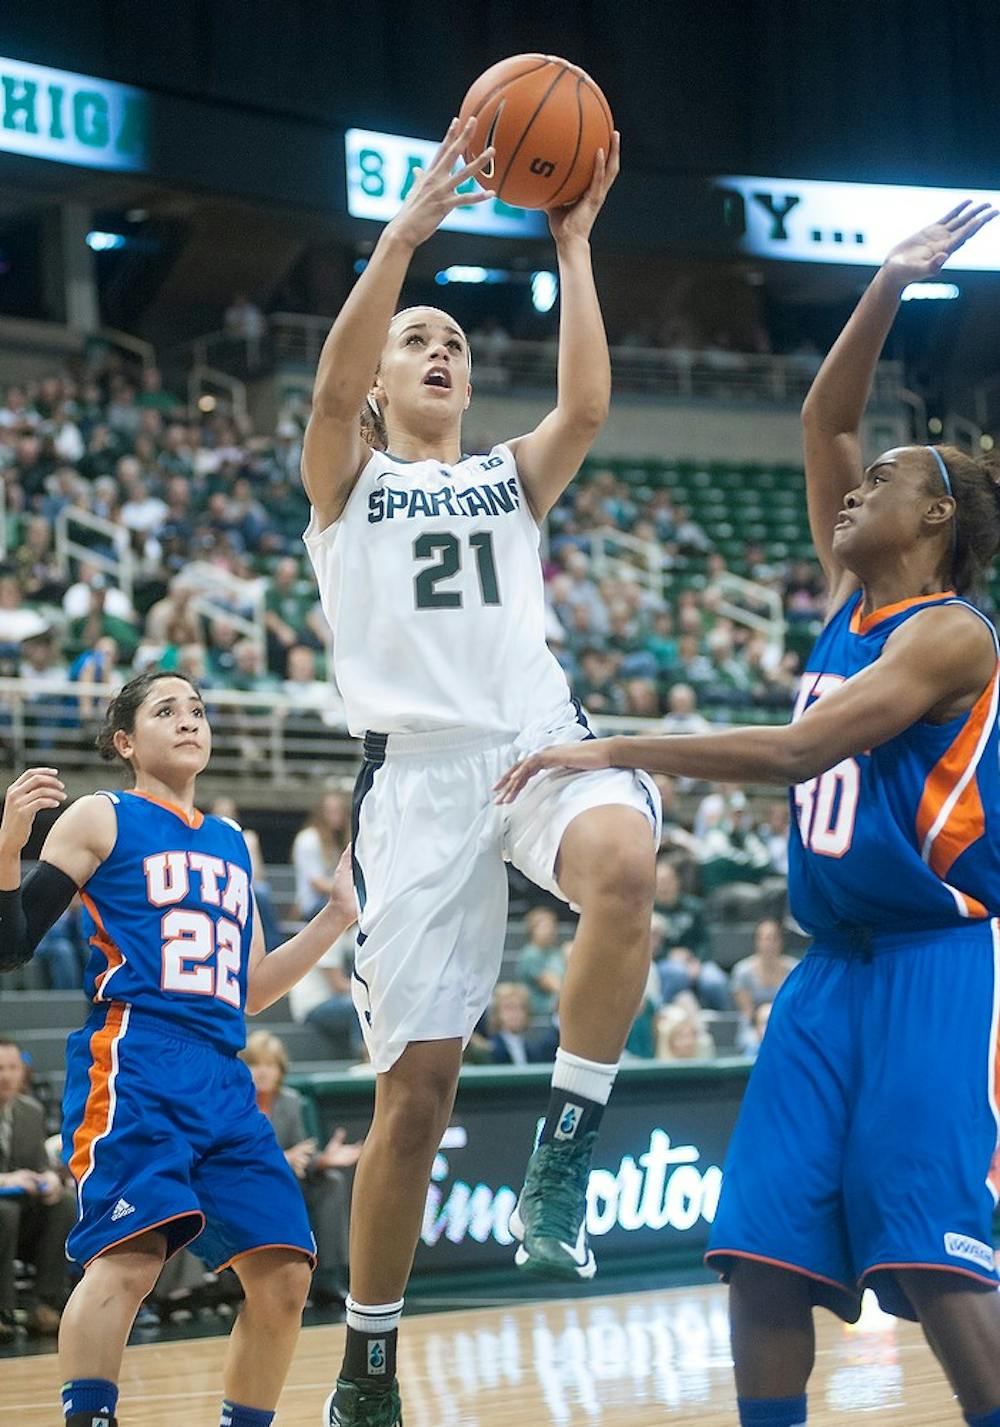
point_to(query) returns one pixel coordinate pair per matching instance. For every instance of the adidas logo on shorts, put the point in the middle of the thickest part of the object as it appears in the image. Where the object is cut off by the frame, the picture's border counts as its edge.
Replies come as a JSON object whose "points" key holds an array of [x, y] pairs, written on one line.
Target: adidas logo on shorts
{"points": [[121, 1209]]}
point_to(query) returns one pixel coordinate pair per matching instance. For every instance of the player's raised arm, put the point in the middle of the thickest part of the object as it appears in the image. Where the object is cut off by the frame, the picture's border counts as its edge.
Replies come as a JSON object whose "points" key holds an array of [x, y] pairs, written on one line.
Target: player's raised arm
{"points": [[73, 850], [833, 410], [549, 457], [333, 451]]}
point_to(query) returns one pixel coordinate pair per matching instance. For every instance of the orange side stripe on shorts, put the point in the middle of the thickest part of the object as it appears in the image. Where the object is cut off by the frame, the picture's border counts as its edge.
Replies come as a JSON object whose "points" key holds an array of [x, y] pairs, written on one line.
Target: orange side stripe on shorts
{"points": [[103, 943], [98, 1106], [966, 822]]}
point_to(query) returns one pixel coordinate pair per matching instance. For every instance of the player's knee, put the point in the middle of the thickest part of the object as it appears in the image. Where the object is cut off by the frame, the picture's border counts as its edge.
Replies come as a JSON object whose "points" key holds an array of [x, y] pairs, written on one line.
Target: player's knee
{"points": [[416, 1114], [621, 873], [280, 1294], [131, 1277]]}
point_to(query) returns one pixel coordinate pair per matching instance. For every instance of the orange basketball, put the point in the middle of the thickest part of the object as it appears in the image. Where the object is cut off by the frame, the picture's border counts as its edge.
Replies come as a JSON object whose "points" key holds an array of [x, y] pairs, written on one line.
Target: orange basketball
{"points": [[546, 119]]}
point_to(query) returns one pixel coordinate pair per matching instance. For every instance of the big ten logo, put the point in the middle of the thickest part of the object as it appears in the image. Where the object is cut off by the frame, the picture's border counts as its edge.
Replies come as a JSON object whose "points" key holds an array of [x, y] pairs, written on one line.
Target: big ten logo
{"points": [[543, 167]]}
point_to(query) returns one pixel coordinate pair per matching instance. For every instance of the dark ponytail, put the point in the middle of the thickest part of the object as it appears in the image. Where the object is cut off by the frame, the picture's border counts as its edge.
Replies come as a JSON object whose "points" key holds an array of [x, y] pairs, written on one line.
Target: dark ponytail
{"points": [[126, 704], [975, 484]]}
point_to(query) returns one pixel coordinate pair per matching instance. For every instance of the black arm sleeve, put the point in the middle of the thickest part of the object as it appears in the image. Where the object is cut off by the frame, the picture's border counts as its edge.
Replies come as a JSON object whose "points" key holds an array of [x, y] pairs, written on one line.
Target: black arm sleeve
{"points": [[29, 911]]}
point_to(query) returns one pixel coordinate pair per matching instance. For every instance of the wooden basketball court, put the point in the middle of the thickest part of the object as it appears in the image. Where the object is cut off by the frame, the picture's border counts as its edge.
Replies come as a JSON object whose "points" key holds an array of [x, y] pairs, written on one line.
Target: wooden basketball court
{"points": [[635, 1360]]}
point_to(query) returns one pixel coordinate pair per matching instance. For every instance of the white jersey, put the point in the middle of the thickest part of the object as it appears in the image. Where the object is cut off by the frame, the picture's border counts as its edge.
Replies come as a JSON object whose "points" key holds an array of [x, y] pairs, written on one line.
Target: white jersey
{"points": [[432, 584]]}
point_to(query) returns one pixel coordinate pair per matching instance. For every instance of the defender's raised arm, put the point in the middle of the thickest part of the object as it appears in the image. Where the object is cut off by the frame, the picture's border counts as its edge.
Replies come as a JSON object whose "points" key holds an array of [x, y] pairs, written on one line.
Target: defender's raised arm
{"points": [[835, 406]]}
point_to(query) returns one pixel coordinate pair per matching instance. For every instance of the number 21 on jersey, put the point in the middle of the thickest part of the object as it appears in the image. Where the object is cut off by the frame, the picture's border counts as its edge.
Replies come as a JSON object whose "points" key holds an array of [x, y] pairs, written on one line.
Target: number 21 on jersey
{"points": [[826, 806]]}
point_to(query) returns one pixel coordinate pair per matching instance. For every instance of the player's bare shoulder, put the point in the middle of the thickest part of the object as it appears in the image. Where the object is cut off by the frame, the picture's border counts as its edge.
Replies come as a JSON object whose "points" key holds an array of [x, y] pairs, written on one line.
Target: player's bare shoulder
{"points": [[82, 837]]}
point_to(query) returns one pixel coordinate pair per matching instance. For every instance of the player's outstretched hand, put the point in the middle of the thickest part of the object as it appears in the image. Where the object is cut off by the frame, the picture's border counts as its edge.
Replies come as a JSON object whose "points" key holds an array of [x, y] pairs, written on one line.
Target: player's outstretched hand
{"points": [[594, 753], [926, 253], [435, 193], [37, 788], [343, 899], [577, 219]]}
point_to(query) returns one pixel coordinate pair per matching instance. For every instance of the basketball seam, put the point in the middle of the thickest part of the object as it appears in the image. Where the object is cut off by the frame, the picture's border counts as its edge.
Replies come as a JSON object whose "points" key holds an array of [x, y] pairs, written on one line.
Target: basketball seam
{"points": [[527, 128], [477, 111], [576, 151]]}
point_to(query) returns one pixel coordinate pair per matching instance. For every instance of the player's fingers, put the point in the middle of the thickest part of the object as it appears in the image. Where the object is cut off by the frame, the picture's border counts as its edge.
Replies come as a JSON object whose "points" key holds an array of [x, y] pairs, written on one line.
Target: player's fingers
{"points": [[444, 145], [475, 195], [474, 166], [30, 773], [455, 142], [982, 216], [954, 212], [614, 159]]}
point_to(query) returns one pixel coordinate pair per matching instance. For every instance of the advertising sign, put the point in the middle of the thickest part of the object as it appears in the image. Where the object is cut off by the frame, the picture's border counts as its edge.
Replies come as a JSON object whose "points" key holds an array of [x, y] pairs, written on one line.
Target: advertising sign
{"points": [[813, 221], [381, 169], [54, 114]]}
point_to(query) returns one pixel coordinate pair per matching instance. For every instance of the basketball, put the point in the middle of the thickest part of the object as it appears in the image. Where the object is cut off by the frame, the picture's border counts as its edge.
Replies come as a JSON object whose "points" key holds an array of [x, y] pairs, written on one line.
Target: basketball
{"points": [[546, 119]]}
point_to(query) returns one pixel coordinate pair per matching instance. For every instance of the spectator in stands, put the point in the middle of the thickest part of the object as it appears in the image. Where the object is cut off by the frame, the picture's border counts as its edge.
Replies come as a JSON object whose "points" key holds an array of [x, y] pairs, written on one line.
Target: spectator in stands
{"points": [[773, 833], [98, 665], [751, 1033], [316, 851], [153, 396], [596, 687], [36, 1210], [681, 1034], [682, 714], [77, 599], [681, 949], [729, 849], [245, 322], [541, 963], [142, 513], [760, 976], [99, 623], [249, 674], [36, 565], [286, 606], [172, 620], [511, 1039], [316, 707], [17, 621], [324, 1177]]}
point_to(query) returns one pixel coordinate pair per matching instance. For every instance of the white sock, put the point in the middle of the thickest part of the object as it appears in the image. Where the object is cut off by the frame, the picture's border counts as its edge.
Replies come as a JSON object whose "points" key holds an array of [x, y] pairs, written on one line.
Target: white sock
{"points": [[373, 1318], [583, 1077]]}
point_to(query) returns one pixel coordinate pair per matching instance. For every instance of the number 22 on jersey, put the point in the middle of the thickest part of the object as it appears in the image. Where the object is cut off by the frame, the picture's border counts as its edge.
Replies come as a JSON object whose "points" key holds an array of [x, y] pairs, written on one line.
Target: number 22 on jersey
{"points": [[201, 950], [826, 806]]}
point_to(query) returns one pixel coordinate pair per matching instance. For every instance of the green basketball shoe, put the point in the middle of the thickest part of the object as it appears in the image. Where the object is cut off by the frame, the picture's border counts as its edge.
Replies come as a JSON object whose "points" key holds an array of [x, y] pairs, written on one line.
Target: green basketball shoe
{"points": [[550, 1217], [353, 1404]]}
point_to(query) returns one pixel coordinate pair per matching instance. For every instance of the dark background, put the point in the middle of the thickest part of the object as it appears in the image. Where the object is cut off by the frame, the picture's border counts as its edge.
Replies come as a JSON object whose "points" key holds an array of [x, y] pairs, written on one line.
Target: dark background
{"points": [[892, 91]]}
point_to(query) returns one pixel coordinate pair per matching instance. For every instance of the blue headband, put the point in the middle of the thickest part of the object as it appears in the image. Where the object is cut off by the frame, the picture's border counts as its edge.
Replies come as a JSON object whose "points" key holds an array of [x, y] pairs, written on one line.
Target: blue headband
{"points": [[943, 469]]}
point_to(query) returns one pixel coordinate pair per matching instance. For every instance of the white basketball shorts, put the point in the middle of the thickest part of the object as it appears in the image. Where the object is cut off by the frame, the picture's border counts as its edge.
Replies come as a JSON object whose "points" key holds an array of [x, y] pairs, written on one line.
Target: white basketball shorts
{"points": [[429, 848]]}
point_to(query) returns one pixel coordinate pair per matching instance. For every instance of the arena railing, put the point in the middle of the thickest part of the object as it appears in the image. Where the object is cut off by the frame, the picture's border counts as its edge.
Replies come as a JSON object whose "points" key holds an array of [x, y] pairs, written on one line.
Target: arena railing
{"points": [[712, 374], [260, 737], [113, 556]]}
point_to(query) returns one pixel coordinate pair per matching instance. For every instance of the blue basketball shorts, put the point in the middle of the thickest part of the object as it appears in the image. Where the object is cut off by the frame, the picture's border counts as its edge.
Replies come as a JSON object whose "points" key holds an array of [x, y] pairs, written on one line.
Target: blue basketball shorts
{"points": [[162, 1131], [868, 1133]]}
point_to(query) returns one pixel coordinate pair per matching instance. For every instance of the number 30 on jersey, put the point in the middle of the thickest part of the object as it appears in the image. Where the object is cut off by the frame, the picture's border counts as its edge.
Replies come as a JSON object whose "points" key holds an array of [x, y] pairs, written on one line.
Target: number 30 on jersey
{"points": [[826, 806]]}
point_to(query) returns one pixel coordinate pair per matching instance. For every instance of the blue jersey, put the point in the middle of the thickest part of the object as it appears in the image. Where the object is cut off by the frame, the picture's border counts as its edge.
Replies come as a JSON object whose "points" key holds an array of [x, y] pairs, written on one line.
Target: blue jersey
{"points": [[170, 919], [905, 836]]}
